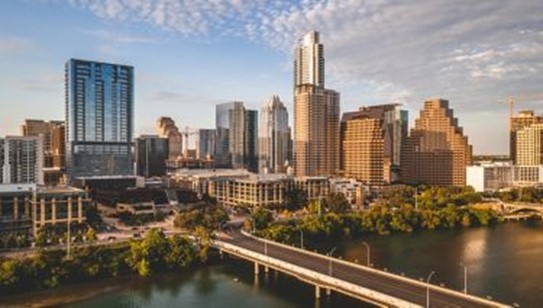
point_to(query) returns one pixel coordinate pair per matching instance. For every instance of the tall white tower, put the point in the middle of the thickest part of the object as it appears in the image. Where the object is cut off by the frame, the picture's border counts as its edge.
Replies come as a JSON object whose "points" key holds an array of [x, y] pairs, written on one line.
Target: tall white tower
{"points": [[309, 61], [274, 135]]}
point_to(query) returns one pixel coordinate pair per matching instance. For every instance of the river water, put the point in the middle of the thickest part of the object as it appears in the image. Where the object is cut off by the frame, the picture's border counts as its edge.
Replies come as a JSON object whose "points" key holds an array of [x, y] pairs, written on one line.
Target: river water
{"points": [[504, 262]]}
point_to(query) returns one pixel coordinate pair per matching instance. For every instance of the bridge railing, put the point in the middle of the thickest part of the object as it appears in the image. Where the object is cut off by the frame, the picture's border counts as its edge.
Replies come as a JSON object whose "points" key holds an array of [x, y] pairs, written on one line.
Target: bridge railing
{"points": [[313, 277], [388, 274]]}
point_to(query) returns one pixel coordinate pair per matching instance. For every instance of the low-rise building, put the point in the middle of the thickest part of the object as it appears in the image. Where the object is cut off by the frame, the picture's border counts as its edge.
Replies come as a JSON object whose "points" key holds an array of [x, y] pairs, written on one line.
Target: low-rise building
{"points": [[353, 190], [528, 175], [490, 176]]}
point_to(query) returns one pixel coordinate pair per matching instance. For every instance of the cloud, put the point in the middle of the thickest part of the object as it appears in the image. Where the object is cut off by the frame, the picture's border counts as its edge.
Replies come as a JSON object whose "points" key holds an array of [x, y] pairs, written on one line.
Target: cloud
{"points": [[13, 45], [121, 38], [471, 52]]}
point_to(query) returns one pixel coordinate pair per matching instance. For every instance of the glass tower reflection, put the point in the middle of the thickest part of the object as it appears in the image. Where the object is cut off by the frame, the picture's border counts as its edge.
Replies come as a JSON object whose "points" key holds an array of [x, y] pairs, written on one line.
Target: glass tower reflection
{"points": [[99, 118]]}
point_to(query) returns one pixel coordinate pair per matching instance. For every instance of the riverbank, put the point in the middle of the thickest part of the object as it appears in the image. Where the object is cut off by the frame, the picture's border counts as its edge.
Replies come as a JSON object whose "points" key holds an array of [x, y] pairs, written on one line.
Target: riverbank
{"points": [[155, 253]]}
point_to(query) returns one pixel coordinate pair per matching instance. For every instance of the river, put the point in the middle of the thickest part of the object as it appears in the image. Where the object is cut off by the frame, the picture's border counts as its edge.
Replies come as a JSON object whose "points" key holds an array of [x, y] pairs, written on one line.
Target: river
{"points": [[504, 262]]}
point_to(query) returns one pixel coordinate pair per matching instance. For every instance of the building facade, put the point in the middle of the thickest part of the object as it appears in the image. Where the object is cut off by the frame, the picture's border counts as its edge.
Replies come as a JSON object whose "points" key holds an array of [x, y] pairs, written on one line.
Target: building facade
{"points": [[22, 159], [524, 119], [166, 128], [223, 158], [99, 118], [529, 143], [316, 112], [206, 143], [436, 152], [274, 137], [491, 176], [371, 143], [151, 155], [54, 147]]}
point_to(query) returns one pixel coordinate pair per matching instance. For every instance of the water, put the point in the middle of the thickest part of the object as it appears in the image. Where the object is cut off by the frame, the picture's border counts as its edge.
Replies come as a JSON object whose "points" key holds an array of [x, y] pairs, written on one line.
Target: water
{"points": [[504, 262]]}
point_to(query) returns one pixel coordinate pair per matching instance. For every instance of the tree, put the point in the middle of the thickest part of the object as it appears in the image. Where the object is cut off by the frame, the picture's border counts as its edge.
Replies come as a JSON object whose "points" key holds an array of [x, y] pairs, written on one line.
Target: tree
{"points": [[90, 235], [261, 217], [336, 203], [181, 253], [295, 199]]}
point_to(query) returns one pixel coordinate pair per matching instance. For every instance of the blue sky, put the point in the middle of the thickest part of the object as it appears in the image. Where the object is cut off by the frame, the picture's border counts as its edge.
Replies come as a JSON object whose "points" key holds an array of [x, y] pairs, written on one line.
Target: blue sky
{"points": [[191, 54]]}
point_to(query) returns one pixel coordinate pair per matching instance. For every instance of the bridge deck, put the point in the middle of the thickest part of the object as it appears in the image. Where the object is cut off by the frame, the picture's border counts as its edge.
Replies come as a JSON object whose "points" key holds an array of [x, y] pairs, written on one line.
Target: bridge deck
{"points": [[398, 287]]}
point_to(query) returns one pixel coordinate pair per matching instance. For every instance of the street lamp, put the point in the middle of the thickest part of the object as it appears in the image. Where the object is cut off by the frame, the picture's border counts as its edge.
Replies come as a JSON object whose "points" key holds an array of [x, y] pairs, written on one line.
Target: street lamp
{"points": [[301, 239], [465, 277], [428, 289], [416, 198], [367, 253], [330, 261]]}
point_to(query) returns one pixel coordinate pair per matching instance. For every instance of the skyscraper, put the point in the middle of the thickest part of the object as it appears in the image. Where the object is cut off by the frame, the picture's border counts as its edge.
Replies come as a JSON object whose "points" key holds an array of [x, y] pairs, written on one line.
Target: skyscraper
{"points": [[151, 155], [273, 136], [166, 128], [436, 152], [243, 137], [22, 159], [223, 158], [99, 118], [316, 112], [529, 143], [371, 143]]}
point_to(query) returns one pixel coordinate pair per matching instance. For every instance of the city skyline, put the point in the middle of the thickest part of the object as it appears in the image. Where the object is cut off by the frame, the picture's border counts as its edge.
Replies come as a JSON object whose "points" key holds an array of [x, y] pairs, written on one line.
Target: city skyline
{"points": [[462, 58]]}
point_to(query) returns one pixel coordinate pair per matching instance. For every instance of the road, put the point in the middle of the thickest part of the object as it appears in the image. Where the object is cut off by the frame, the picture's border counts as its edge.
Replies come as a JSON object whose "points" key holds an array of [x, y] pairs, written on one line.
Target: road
{"points": [[385, 284]]}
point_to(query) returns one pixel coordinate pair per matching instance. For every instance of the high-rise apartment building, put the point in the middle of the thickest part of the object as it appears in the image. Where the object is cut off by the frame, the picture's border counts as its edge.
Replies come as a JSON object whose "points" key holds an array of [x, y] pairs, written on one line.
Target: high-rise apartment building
{"points": [[99, 118], [371, 143], [529, 143], [151, 155], [52, 133], [206, 143], [436, 152], [223, 159], [316, 112], [166, 128], [22, 159], [273, 137], [524, 119]]}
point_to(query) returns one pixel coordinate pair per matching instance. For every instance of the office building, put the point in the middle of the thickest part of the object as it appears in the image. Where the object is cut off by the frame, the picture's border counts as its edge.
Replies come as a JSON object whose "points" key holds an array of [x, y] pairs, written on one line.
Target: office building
{"points": [[273, 137], [206, 143], [166, 128], [371, 143], [53, 140], [151, 155], [524, 119], [236, 137], [436, 152], [316, 112], [22, 159], [99, 118], [529, 143]]}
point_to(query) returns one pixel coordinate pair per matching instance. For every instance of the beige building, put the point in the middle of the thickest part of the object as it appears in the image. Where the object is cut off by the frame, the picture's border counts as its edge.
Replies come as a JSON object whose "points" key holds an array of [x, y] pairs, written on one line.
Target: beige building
{"points": [[316, 112], [529, 141], [524, 119], [166, 128], [371, 142], [436, 152]]}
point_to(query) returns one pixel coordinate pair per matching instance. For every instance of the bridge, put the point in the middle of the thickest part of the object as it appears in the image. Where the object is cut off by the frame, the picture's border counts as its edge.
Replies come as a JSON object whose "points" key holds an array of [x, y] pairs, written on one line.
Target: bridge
{"points": [[330, 274], [517, 210]]}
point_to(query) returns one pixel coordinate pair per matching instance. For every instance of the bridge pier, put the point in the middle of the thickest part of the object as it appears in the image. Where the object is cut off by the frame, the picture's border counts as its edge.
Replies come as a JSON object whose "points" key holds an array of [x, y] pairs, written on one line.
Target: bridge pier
{"points": [[266, 269], [328, 292], [256, 268], [317, 292]]}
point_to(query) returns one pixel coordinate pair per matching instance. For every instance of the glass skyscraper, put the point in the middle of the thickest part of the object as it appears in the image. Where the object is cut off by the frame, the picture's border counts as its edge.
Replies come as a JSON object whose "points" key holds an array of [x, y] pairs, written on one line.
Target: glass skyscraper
{"points": [[99, 118]]}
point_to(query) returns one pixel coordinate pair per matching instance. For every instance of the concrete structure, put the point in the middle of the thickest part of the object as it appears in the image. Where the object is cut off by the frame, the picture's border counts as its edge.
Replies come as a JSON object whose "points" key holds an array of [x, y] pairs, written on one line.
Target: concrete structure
{"points": [[380, 288], [316, 112], [371, 143], [28, 207], [524, 119], [99, 118], [22, 159], [206, 143], [528, 175], [436, 152], [491, 176], [151, 155], [529, 143], [199, 180], [354, 191], [265, 190], [166, 128], [58, 205], [273, 137]]}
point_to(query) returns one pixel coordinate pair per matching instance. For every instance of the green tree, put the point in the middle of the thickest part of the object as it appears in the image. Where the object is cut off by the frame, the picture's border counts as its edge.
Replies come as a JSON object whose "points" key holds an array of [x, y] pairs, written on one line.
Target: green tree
{"points": [[336, 203], [90, 235], [295, 199]]}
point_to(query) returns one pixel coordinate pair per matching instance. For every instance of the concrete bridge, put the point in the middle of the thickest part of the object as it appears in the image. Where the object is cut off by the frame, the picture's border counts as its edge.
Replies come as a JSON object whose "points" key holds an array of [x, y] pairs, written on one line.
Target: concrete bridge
{"points": [[517, 210], [329, 274]]}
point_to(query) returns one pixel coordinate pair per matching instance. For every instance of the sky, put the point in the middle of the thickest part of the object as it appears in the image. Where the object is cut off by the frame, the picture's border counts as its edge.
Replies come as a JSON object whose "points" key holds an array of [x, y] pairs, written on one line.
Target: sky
{"points": [[190, 55]]}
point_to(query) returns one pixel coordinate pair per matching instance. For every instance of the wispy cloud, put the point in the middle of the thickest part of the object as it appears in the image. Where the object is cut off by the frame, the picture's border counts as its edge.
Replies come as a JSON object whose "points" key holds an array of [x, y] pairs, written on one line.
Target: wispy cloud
{"points": [[120, 38], [12, 45]]}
